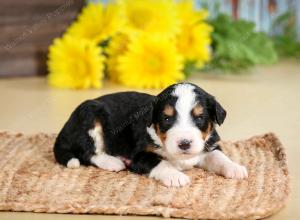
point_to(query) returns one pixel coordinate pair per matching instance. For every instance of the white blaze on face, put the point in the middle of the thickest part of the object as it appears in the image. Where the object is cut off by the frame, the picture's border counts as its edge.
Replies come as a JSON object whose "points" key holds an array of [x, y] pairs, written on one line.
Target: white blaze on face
{"points": [[184, 128], [185, 103]]}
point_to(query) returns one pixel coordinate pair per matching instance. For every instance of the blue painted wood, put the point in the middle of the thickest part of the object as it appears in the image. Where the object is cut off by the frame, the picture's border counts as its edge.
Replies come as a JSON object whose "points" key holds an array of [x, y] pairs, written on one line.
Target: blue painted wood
{"points": [[244, 9]]}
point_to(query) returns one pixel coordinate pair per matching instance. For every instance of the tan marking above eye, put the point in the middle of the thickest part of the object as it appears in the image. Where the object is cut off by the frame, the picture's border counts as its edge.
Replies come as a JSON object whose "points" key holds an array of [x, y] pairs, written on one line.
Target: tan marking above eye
{"points": [[197, 110], [169, 110]]}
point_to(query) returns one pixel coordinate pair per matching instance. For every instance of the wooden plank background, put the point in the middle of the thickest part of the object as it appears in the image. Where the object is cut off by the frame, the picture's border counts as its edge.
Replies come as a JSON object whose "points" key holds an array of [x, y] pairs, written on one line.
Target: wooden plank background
{"points": [[27, 29]]}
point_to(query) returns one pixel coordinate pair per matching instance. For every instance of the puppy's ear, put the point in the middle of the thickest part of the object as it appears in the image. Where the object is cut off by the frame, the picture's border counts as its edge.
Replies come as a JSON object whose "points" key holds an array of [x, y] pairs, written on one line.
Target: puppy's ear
{"points": [[216, 111]]}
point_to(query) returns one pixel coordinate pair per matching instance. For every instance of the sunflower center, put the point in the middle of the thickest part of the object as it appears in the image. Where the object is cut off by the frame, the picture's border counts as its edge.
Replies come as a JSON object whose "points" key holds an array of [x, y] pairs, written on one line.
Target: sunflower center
{"points": [[140, 18], [81, 68], [154, 63], [93, 34], [191, 39]]}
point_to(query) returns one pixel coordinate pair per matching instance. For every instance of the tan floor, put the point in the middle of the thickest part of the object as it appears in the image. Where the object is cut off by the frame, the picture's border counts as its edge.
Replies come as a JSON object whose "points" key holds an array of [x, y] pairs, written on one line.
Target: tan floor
{"points": [[266, 100]]}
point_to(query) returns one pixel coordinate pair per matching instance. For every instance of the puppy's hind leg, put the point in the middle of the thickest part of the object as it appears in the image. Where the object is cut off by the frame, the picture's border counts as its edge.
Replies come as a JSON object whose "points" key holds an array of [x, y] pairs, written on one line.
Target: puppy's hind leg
{"points": [[108, 162], [64, 155], [100, 158], [73, 163]]}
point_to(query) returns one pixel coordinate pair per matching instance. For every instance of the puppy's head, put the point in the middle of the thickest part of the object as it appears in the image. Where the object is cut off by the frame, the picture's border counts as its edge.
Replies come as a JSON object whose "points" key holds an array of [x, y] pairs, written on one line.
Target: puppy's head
{"points": [[184, 116]]}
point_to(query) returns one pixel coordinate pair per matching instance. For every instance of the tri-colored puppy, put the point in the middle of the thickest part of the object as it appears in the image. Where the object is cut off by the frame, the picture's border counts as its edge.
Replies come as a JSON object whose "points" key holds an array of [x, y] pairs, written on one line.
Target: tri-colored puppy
{"points": [[155, 135]]}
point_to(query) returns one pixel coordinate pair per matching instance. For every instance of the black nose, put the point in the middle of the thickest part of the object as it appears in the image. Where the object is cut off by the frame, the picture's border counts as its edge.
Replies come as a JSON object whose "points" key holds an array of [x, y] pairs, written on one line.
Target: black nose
{"points": [[184, 144]]}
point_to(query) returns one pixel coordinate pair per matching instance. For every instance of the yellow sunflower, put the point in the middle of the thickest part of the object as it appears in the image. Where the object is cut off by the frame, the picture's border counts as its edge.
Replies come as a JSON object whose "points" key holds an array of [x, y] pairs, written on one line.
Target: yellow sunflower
{"points": [[194, 43], [150, 62], [97, 22], [117, 47], [188, 14], [152, 16], [75, 63], [194, 40]]}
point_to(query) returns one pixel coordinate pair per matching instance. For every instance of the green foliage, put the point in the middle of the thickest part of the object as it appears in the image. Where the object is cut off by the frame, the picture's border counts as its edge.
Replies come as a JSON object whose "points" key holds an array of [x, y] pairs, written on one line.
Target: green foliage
{"points": [[236, 46], [286, 42], [287, 46], [189, 68]]}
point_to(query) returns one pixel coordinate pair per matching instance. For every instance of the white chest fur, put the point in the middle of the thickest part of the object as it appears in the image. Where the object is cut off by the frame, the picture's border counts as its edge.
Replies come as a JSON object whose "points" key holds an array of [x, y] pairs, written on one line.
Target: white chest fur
{"points": [[186, 164]]}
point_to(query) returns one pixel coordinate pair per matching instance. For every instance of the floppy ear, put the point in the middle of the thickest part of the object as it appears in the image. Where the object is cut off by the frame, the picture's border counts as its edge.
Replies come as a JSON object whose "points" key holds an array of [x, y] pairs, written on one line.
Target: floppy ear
{"points": [[217, 112]]}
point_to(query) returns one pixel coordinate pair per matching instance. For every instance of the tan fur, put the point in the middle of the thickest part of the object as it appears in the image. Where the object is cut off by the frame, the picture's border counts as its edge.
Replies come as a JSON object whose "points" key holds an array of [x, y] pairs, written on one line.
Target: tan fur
{"points": [[205, 134], [97, 124], [169, 110], [151, 148], [161, 135], [197, 110], [158, 150]]}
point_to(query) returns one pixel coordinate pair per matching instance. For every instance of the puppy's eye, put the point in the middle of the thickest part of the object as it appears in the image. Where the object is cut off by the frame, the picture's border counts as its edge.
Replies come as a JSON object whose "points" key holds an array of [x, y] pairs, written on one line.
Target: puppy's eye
{"points": [[167, 118], [199, 118]]}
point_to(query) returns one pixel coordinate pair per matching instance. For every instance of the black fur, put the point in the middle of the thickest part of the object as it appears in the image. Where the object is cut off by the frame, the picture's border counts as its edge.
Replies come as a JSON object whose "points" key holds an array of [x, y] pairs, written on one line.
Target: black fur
{"points": [[143, 162], [211, 143], [124, 118]]}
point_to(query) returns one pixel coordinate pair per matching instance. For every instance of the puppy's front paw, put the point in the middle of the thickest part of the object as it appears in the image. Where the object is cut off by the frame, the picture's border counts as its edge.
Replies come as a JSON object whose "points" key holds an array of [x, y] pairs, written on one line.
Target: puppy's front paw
{"points": [[234, 171], [175, 179], [169, 175]]}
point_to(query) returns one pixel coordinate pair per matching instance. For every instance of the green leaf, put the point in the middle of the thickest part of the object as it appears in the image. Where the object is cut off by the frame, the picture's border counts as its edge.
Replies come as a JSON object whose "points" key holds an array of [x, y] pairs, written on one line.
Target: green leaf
{"points": [[236, 46], [189, 68], [286, 42]]}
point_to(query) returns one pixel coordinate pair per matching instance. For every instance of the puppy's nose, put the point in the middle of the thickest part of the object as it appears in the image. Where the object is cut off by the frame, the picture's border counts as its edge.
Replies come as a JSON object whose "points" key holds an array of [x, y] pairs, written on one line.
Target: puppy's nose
{"points": [[184, 144]]}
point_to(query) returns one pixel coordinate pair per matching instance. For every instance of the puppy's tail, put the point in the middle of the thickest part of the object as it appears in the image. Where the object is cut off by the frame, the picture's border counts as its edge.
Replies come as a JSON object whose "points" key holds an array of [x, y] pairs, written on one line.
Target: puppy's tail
{"points": [[64, 156]]}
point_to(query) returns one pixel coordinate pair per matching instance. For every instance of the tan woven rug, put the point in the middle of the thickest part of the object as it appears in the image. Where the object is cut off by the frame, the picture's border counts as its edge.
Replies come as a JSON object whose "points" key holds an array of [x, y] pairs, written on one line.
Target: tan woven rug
{"points": [[30, 180]]}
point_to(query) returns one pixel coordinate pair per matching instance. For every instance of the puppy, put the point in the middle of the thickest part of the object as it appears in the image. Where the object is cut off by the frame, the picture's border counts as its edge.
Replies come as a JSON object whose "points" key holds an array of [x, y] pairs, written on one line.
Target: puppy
{"points": [[155, 135]]}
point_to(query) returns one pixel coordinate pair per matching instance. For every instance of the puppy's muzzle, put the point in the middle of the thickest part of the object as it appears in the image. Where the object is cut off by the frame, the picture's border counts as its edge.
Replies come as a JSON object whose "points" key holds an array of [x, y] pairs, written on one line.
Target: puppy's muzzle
{"points": [[184, 144]]}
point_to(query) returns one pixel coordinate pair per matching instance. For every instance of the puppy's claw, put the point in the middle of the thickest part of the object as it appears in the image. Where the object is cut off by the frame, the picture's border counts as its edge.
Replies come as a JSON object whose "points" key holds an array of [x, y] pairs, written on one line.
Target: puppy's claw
{"points": [[169, 175], [175, 179]]}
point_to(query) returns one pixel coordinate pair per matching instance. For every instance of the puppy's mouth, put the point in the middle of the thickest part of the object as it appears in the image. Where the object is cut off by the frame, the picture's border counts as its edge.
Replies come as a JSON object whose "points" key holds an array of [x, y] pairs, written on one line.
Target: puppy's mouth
{"points": [[184, 155]]}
